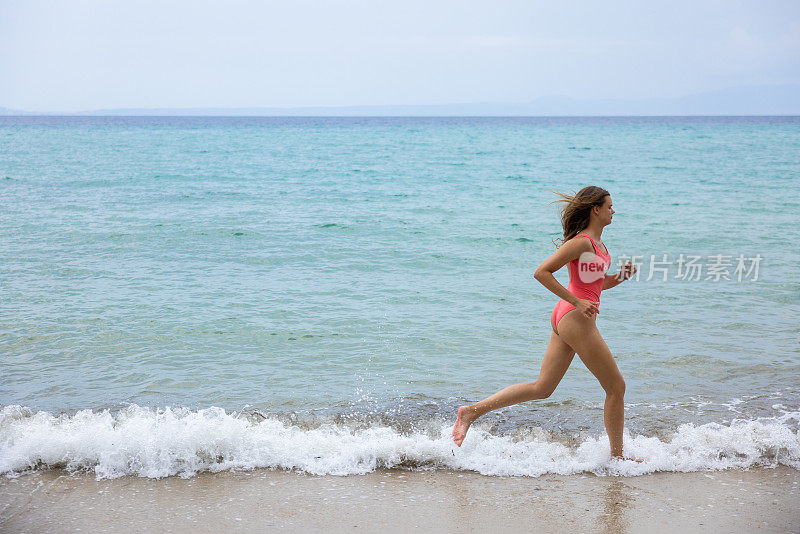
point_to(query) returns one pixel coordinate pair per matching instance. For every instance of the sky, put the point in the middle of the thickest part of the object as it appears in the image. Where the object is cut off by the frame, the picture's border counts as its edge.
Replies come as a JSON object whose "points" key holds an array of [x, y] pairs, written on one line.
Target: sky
{"points": [[90, 54]]}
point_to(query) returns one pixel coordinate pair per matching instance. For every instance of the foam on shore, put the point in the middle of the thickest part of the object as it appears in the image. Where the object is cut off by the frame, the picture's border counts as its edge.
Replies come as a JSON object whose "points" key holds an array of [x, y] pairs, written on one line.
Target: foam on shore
{"points": [[150, 442]]}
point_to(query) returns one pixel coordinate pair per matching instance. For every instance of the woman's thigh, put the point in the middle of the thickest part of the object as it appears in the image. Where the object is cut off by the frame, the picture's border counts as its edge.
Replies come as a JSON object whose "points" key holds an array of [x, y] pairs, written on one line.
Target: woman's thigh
{"points": [[581, 333], [557, 358]]}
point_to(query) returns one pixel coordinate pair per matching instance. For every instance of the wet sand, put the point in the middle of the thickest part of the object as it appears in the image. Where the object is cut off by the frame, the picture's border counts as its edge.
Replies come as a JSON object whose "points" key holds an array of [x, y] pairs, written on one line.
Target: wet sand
{"points": [[755, 500]]}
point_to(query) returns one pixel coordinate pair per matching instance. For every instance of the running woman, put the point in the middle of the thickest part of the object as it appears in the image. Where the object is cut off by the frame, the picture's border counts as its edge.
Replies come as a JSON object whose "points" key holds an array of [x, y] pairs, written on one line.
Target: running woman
{"points": [[574, 317]]}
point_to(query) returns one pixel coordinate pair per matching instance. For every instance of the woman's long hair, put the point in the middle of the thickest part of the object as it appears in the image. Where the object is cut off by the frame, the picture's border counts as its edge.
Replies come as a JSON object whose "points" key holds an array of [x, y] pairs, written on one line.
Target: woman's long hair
{"points": [[577, 210]]}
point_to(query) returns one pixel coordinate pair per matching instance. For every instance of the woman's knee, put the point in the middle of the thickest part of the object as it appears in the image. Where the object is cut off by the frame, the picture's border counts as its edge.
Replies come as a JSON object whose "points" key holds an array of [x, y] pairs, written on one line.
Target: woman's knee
{"points": [[615, 387], [541, 390]]}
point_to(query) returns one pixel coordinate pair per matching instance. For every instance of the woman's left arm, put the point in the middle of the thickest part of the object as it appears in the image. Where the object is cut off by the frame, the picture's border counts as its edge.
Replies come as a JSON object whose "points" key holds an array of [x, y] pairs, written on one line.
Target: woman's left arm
{"points": [[611, 280], [625, 272]]}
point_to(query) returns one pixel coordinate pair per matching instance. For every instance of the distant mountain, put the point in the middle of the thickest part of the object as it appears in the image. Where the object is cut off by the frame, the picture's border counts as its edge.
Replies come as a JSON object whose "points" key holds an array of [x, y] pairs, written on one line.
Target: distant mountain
{"points": [[6, 111], [747, 100]]}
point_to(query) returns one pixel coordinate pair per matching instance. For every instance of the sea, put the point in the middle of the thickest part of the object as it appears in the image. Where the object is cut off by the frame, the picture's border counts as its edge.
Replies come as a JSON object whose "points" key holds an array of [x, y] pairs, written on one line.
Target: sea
{"points": [[190, 294]]}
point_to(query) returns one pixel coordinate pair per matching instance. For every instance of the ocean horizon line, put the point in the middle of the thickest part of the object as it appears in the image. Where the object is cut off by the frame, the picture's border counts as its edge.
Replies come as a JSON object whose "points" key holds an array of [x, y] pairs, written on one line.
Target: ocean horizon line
{"points": [[321, 116], [755, 100]]}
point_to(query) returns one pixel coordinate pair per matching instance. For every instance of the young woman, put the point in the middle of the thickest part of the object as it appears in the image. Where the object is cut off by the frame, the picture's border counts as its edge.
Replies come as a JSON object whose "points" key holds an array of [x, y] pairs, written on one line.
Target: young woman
{"points": [[573, 320]]}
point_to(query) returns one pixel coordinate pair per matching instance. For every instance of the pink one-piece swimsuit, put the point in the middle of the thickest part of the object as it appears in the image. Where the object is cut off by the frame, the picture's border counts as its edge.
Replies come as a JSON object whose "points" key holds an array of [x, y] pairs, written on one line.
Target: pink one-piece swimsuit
{"points": [[586, 284]]}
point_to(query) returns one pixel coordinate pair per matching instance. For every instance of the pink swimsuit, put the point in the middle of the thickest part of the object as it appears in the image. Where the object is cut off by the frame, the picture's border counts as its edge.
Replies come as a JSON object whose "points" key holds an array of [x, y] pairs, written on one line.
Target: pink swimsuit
{"points": [[586, 277]]}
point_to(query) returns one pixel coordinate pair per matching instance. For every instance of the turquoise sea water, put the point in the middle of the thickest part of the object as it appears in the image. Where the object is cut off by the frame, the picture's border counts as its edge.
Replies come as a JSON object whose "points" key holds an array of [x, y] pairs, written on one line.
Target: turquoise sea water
{"points": [[377, 272]]}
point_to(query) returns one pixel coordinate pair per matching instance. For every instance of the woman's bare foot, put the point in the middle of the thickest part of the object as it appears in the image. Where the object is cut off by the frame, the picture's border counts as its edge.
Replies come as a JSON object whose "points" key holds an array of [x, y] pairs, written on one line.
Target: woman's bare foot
{"points": [[463, 420], [638, 461]]}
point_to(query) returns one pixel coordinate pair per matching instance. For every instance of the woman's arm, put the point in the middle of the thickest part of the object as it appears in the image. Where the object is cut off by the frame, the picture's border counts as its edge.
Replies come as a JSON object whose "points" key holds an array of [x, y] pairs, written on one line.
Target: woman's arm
{"points": [[625, 272], [611, 280], [569, 251]]}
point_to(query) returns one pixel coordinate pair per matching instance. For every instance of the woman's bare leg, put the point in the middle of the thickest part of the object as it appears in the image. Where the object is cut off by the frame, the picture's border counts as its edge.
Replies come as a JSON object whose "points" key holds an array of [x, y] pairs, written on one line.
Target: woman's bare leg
{"points": [[556, 360], [581, 333]]}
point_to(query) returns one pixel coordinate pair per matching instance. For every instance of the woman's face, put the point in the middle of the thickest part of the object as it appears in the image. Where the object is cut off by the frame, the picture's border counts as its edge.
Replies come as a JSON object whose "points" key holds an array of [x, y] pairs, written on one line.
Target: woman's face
{"points": [[605, 212]]}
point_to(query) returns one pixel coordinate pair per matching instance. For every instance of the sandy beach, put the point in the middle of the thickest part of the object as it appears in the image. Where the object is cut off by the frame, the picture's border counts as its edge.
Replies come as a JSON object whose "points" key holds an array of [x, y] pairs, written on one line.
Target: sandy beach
{"points": [[755, 500]]}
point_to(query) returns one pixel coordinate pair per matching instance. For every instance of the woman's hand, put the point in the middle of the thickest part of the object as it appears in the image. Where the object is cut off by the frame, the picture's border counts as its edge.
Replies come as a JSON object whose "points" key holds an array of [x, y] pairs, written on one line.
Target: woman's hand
{"points": [[626, 271], [587, 307]]}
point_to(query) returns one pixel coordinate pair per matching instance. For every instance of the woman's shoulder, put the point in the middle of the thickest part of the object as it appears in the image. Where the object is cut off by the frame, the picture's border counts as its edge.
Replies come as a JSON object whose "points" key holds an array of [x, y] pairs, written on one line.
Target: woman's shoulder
{"points": [[580, 238], [577, 245]]}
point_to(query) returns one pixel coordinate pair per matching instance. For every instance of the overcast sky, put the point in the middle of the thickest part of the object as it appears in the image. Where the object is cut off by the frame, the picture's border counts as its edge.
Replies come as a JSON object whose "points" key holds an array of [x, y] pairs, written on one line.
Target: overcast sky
{"points": [[77, 55]]}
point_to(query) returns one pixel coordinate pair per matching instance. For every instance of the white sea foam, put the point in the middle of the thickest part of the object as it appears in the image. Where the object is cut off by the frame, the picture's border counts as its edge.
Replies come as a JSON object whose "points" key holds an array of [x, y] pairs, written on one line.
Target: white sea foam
{"points": [[162, 442]]}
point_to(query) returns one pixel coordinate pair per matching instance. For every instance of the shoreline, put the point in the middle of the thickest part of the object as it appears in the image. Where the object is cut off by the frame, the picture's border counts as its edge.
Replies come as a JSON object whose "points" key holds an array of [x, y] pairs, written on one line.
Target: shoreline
{"points": [[731, 500]]}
